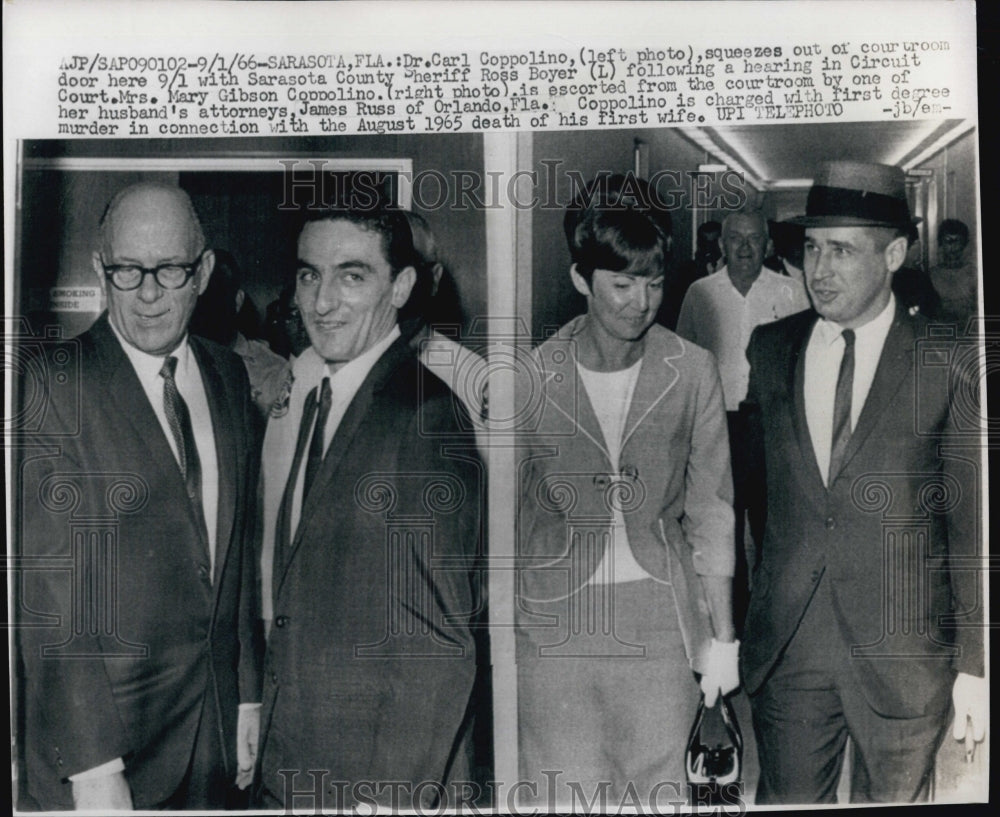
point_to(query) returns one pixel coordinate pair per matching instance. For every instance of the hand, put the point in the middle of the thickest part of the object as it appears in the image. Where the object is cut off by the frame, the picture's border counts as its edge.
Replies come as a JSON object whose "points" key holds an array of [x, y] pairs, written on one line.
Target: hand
{"points": [[247, 736], [722, 673], [107, 793], [970, 696]]}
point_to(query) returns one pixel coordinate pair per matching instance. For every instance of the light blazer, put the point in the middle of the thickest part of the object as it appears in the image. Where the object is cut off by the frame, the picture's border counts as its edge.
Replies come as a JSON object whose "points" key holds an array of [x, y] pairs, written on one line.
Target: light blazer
{"points": [[677, 495], [897, 495], [371, 659], [131, 683]]}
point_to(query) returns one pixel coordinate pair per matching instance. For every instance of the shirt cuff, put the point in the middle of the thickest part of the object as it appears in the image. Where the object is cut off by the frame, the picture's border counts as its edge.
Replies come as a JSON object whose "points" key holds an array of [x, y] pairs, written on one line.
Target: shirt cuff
{"points": [[104, 770], [249, 706]]}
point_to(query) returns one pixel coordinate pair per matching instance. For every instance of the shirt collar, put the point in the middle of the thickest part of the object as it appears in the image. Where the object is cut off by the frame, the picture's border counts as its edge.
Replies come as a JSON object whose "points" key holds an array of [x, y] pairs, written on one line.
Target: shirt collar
{"points": [[829, 331], [309, 368], [148, 366]]}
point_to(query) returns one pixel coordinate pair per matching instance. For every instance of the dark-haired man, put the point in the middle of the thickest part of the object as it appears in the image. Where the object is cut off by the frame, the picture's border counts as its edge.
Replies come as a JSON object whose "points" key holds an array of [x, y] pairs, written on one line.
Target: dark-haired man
{"points": [[371, 532]]}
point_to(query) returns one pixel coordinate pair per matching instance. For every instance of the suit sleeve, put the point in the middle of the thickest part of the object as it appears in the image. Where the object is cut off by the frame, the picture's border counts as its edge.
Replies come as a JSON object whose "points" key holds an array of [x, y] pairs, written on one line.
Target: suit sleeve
{"points": [[961, 462], [708, 504], [251, 633], [449, 590], [753, 428], [72, 715]]}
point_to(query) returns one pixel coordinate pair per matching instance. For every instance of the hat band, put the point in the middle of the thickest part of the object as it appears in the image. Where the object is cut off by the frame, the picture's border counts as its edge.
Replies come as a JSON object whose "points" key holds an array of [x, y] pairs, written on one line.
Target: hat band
{"points": [[844, 202]]}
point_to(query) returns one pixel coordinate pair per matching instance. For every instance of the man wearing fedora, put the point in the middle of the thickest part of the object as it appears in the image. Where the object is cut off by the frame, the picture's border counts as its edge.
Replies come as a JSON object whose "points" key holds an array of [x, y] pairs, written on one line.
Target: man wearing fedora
{"points": [[866, 616]]}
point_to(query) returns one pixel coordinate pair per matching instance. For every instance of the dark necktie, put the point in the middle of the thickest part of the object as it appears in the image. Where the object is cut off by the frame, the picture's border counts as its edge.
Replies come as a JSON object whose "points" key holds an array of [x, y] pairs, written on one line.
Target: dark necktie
{"points": [[316, 444], [179, 420], [283, 525], [842, 408]]}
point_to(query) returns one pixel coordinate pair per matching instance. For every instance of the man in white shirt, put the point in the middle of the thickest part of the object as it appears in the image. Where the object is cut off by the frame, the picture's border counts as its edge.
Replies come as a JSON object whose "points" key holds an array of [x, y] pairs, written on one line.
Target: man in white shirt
{"points": [[719, 313], [865, 619], [371, 536], [145, 692]]}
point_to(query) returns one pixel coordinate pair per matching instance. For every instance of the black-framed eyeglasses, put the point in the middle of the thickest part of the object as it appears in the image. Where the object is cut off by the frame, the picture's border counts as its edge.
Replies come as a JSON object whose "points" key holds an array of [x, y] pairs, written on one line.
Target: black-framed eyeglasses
{"points": [[127, 277]]}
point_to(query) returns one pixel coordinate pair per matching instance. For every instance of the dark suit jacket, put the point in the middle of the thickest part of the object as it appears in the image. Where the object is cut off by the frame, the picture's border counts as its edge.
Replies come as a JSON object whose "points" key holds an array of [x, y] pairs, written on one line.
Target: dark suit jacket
{"points": [[127, 677], [371, 659], [886, 533]]}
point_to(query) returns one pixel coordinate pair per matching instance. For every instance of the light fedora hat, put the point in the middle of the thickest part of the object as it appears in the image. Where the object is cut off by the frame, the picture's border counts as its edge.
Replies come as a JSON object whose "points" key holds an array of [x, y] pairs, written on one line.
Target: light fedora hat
{"points": [[857, 194]]}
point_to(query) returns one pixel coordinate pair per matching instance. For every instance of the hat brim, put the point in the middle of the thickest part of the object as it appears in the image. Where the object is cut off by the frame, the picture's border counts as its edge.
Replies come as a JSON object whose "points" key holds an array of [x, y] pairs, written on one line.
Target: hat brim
{"points": [[848, 221]]}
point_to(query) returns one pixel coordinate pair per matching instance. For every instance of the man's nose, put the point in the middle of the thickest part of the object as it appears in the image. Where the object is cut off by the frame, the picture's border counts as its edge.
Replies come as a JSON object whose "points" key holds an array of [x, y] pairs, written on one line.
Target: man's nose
{"points": [[149, 289], [328, 295]]}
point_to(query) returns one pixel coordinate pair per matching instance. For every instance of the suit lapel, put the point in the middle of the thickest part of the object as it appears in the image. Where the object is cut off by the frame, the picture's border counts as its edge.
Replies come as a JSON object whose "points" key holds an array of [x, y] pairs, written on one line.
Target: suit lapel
{"points": [[128, 400], [223, 415], [565, 394], [657, 377], [895, 363], [346, 431], [797, 379]]}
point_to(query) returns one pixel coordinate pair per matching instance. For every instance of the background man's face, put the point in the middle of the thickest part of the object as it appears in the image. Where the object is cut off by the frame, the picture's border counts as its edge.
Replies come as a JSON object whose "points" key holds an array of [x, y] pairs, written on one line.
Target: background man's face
{"points": [[744, 239], [148, 230], [624, 305], [345, 289], [849, 272]]}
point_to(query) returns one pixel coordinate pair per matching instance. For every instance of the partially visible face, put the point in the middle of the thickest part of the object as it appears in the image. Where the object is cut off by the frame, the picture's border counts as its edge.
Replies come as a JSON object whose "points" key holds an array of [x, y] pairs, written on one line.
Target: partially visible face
{"points": [[345, 290], [848, 272], [952, 249], [149, 228], [623, 305], [744, 239]]}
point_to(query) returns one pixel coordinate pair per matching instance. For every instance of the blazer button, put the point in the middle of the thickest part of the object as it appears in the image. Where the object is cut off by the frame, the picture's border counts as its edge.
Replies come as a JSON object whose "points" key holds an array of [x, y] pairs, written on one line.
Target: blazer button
{"points": [[203, 571], [281, 621], [830, 523], [815, 575], [274, 677]]}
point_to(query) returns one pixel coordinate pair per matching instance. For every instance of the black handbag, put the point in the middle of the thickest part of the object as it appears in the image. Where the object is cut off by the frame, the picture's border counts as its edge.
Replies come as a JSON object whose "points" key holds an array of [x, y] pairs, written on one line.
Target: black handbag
{"points": [[714, 759]]}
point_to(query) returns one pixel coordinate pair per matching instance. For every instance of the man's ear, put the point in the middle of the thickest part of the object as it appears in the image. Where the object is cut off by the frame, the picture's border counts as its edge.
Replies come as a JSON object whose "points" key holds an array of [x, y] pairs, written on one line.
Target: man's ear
{"points": [[579, 282], [402, 285], [102, 282], [205, 268], [895, 253]]}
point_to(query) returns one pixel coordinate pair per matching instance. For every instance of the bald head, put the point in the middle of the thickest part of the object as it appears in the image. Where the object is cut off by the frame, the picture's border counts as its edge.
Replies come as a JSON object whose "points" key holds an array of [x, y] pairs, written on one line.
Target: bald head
{"points": [[149, 227], [150, 206], [744, 240]]}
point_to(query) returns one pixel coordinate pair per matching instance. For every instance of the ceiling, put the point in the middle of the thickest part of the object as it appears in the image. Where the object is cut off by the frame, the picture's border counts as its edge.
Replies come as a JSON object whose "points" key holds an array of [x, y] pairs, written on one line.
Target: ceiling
{"points": [[785, 156]]}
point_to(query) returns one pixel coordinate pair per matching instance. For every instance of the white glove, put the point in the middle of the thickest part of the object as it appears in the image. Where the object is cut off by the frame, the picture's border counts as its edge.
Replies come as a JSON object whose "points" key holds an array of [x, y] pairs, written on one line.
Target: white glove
{"points": [[247, 736], [722, 672], [971, 695]]}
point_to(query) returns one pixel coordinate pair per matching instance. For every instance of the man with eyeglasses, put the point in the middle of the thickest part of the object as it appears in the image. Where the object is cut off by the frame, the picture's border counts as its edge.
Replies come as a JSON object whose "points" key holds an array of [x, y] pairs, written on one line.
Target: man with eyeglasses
{"points": [[143, 691]]}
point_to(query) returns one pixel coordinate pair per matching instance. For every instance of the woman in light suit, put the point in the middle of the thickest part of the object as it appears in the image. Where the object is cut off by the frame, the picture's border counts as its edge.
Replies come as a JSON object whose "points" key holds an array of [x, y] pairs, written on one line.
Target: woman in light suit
{"points": [[625, 539]]}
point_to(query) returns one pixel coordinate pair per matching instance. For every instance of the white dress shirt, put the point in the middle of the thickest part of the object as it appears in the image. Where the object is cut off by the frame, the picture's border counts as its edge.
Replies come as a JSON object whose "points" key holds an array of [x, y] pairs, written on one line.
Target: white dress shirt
{"points": [[716, 317], [824, 352]]}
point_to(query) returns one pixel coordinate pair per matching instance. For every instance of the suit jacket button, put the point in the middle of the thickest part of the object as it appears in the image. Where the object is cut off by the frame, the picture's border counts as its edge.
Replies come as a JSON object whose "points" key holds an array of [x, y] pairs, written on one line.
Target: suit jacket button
{"points": [[815, 575], [274, 677], [281, 621], [830, 523], [203, 571]]}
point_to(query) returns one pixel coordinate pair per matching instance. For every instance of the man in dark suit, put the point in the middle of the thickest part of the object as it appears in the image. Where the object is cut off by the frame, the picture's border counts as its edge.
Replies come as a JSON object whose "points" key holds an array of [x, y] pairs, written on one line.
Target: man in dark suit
{"points": [[866, 617], [142, 676], [371, 523]]}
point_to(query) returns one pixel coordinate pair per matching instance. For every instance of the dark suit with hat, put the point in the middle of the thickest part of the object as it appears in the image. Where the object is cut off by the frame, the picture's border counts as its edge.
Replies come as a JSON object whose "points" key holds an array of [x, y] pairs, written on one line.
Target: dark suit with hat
{"points": [[132, 646], [866, 600]]}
